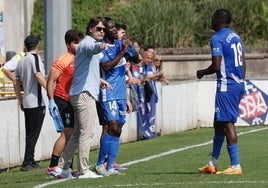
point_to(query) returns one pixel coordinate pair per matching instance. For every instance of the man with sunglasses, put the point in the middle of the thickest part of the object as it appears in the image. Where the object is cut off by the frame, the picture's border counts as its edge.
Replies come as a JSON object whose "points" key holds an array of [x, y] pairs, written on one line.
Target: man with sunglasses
{"points": [[84, 91]]}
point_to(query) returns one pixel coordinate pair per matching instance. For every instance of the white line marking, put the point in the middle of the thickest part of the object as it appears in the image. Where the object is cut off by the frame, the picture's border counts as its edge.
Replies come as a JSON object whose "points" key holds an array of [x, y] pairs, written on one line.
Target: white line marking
{"points": [[188, 183], [183, 149], [168, 153], [51, 183]]}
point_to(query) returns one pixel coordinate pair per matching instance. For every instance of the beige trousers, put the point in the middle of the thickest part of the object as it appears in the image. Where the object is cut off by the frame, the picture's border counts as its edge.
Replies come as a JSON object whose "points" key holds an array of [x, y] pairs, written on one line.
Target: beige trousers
{"points": [[85, 117]]}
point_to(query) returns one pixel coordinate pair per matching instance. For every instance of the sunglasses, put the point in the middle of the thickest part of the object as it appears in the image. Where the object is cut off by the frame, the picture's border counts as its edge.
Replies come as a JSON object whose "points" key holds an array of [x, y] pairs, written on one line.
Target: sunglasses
{"points": [[100, 28], [159, 60]]}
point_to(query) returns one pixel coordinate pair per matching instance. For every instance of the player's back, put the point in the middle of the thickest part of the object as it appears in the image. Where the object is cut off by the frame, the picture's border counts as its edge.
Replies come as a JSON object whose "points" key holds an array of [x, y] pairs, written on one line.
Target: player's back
{"points": [[228, 44]]}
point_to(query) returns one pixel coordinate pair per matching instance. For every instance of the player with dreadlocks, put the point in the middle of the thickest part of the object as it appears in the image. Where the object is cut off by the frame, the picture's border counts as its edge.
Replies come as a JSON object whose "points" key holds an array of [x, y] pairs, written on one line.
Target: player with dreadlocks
{"points": [[228, 62]]}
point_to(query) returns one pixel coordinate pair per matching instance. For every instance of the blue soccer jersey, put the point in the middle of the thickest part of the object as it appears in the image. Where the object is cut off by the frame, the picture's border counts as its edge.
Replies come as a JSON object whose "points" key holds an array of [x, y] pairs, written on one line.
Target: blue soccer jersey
{"points": [[228, 44], [116, 76], [230, 78]]}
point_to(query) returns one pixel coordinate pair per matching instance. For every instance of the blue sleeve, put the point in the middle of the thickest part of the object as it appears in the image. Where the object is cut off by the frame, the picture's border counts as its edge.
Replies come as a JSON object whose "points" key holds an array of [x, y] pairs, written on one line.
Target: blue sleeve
{"points": [[216, 46]]}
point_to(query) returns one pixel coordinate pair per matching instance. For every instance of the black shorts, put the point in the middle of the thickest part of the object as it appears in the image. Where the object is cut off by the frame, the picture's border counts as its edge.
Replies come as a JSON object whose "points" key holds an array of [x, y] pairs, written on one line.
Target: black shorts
{"points": [[102, 120], [66, 112]]}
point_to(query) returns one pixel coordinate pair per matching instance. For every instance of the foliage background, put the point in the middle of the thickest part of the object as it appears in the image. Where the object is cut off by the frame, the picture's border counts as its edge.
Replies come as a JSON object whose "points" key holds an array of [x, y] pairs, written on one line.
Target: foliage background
{"points": [[169, 23]]}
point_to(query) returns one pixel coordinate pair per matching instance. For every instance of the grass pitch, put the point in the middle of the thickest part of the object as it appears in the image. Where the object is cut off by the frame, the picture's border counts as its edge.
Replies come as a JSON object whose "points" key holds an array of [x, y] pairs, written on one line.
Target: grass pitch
{"points": [[168, 161]]}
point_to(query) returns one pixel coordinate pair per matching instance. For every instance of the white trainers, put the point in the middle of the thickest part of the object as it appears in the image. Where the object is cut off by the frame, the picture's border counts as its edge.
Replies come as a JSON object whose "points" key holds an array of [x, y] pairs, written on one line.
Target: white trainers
{"points": [[66, 174], [112, 172], [90, 174], [100, 169]]}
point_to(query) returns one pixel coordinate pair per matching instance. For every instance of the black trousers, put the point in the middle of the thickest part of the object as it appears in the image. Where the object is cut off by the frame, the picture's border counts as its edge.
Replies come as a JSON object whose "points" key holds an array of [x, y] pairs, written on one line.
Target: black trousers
{"points": [[34, 118]]}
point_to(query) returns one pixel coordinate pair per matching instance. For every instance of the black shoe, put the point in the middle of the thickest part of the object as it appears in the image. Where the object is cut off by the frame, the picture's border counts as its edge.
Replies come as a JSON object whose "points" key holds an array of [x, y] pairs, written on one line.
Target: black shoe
{"points": [[27, 167], [36, 165]]}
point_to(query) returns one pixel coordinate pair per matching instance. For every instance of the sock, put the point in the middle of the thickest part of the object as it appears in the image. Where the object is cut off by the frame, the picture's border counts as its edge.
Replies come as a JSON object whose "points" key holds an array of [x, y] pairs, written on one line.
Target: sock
{"points": [[54, 160], [217, 144], [233, 153], [104, 148], [113, 152]]}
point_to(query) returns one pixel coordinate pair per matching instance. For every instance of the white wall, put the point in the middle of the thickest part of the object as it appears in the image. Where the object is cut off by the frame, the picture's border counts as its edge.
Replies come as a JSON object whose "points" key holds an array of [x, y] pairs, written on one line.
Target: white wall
{"points": [[17, 22], [182, 106]]}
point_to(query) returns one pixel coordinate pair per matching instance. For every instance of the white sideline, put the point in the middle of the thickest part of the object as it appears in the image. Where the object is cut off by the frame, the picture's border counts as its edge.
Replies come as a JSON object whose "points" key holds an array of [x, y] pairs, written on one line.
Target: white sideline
{"points": [[164, 154], [183, 149]]}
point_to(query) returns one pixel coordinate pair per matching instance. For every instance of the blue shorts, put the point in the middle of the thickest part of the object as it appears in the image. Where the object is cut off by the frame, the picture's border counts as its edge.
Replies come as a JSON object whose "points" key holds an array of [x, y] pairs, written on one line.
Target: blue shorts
{"points": [[227, 105], [115, 110]]}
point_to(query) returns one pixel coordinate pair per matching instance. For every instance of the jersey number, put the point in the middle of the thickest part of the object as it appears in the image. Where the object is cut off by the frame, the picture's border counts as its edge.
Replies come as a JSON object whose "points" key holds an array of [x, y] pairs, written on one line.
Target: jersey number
{"points": [[112, 105], [237, 48]]}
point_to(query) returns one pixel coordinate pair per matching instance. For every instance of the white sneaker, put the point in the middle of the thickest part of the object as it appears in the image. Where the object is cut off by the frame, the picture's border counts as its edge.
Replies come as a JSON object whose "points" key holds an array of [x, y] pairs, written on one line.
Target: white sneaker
{"points": [[112, 172], [90, 174], [66, 174], [100, 169]]}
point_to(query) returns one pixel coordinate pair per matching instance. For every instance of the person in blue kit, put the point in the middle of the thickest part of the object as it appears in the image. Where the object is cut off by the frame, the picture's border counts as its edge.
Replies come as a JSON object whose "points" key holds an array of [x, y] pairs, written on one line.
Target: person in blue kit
{"points": [[113, 102], [228, 62]]}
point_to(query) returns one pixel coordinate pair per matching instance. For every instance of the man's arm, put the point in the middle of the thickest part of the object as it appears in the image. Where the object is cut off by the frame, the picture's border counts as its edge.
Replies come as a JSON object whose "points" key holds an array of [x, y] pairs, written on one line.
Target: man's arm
{"points": [[213, 68], [9, 74], [41, 79], [17, 89], [108, 65], [53, 76]]}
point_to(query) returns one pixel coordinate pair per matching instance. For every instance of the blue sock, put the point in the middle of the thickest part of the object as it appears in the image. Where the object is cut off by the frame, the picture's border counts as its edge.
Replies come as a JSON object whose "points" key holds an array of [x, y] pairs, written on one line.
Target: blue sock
{"points": [[104, 148], [115, 142], [217, 144], [233, 153]]}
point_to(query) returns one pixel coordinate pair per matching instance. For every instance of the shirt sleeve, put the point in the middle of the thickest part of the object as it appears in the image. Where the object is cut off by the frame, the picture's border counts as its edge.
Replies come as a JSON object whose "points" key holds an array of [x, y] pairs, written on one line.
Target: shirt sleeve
{"points": [[216, 46]]}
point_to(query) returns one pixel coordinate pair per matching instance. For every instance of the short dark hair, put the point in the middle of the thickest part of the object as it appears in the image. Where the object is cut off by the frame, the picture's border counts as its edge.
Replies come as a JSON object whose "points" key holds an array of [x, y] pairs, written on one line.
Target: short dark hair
{"points": [[31, 42], [120, 26], [73, 35], [223, 15]]}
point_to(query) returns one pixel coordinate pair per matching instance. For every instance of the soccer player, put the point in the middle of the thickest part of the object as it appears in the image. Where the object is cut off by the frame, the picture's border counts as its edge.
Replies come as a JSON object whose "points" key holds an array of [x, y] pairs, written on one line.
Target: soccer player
{"points": [[228, 62], [58, 85], [113, 102]]}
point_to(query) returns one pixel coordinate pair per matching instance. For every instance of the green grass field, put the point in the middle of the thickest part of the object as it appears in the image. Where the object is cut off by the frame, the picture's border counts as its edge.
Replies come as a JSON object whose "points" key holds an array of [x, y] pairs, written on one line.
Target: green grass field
{"points": [[167, 161]]}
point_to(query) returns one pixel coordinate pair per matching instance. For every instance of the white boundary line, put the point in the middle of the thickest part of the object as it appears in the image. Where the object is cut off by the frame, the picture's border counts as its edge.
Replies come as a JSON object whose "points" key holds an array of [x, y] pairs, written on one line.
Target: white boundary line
{"points": [[183, 149], [168, 153], [189, 183]]}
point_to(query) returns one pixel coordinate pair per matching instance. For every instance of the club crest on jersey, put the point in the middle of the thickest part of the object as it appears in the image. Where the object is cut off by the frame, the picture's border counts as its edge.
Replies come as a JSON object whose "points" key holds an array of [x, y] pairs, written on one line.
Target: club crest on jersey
{"points": [[113, 112]]}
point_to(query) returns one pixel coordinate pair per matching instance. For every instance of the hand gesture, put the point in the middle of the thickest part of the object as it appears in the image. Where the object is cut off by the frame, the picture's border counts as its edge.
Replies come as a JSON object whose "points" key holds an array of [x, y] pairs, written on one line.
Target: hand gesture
{"points": [[103, 46], [105, 84], [126, 42]]}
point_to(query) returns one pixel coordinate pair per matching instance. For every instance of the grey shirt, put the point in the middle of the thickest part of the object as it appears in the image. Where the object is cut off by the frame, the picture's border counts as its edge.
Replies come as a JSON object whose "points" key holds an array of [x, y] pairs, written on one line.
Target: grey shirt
{"points": [[34, 94]]}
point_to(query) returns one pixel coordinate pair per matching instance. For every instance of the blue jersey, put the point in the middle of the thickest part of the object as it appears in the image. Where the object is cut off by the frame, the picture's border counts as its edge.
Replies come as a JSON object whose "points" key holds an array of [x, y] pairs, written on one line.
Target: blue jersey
{"points": [[228, 44], [116, 76]]}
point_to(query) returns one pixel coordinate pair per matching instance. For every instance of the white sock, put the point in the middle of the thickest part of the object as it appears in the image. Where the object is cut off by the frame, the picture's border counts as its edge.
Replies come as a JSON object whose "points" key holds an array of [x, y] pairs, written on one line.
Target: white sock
{"points": [[212, 162], [236, 166]]}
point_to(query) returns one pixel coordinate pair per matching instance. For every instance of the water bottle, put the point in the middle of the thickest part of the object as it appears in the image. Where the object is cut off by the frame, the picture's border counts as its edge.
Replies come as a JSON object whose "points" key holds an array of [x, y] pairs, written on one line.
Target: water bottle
{"points": [[57, 120]]}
